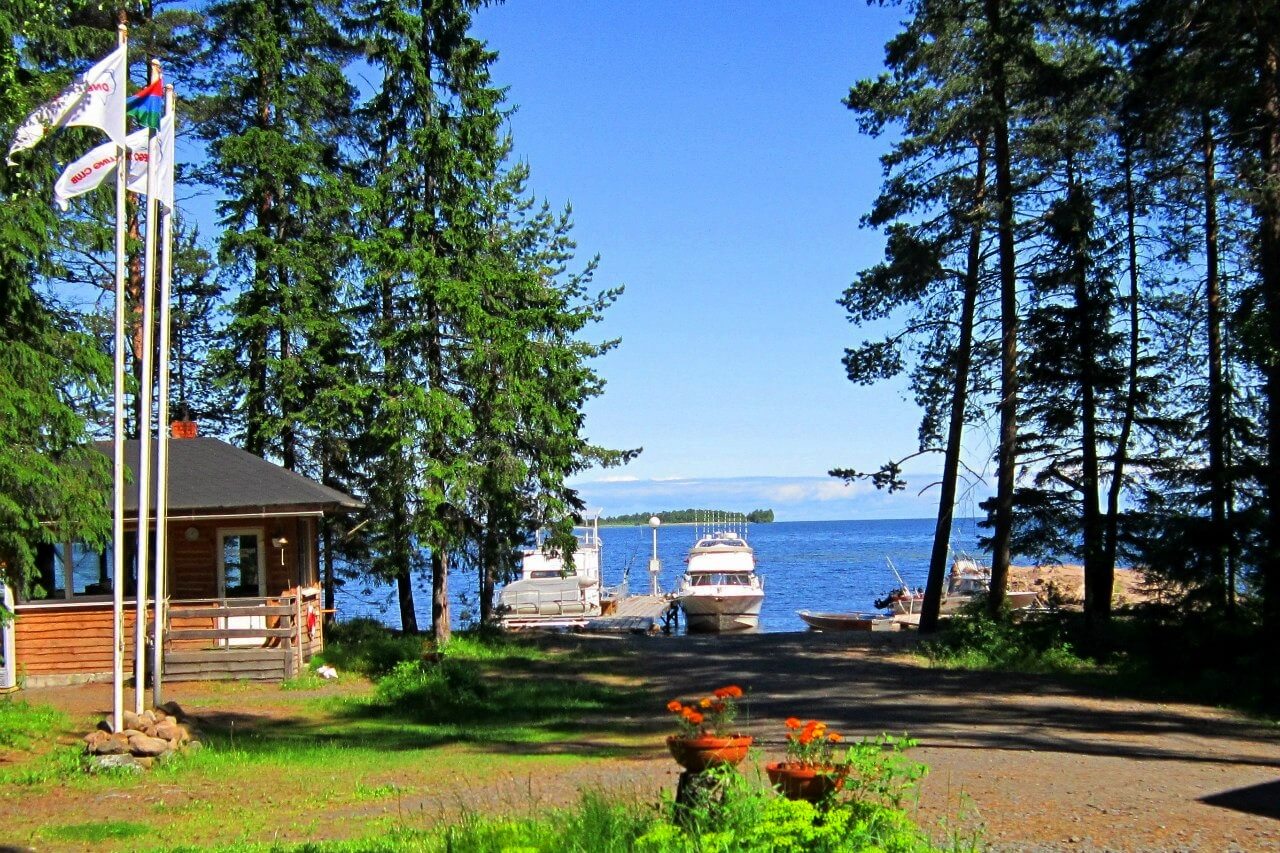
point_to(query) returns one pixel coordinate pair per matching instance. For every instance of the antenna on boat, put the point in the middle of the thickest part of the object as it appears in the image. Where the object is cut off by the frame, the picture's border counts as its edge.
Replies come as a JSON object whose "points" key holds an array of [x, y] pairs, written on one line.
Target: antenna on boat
{"points": [[894, 569]]}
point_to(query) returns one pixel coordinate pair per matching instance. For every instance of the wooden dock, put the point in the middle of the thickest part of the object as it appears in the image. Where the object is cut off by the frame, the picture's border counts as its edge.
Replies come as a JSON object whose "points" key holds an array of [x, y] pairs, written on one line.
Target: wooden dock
{"points": [[635, 614]]}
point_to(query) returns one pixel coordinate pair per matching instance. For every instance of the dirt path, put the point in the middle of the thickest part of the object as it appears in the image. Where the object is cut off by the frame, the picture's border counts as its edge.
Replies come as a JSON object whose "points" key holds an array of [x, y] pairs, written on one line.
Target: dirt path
{"points": [[1038, 766], [1033, 764]]}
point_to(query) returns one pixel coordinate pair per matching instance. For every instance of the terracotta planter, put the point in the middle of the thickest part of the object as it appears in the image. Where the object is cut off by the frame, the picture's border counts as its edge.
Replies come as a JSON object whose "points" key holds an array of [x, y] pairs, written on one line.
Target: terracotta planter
{"points": [[698, 753], [803, 783]]}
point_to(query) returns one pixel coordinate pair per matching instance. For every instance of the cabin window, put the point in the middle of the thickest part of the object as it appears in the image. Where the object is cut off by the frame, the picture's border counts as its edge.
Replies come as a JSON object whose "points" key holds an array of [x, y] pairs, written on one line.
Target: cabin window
{"points": [[71, 569], [241, 565]]}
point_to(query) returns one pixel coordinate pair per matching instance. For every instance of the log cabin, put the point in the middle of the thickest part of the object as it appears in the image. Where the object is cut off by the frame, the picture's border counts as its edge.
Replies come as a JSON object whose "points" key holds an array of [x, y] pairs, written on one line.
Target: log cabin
{"points": [[243, 598]]}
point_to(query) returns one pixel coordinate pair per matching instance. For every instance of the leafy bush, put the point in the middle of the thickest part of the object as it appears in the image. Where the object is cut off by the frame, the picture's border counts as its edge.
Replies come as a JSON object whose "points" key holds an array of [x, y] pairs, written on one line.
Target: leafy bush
{"points": [[432, 692], [976, 641], [368, 647]]}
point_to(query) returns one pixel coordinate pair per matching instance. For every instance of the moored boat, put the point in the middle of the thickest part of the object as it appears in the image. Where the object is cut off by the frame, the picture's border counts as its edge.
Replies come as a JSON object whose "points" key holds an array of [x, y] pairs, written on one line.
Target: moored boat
{"points": [[966, 580], [846, 621], [720, 590], [553, 591]]}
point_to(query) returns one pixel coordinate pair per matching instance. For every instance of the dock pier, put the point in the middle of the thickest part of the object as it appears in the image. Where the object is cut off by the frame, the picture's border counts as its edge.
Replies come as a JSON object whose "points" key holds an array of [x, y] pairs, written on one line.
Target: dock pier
{"points": [[637, 614]]}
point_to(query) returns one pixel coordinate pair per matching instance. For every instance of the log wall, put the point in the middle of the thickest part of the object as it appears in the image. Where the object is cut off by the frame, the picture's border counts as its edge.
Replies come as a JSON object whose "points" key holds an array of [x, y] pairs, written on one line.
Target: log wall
{"points": [[64, 640]]}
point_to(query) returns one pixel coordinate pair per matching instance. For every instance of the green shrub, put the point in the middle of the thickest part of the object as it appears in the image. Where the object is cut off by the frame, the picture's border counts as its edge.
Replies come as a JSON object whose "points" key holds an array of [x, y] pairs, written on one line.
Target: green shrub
{"points": [[369, 648], [432, 692]]}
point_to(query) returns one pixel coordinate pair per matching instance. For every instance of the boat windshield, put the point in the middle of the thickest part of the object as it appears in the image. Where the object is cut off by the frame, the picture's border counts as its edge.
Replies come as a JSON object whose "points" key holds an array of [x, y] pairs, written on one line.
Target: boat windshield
{"points": [[721, 542], [719, 579]]}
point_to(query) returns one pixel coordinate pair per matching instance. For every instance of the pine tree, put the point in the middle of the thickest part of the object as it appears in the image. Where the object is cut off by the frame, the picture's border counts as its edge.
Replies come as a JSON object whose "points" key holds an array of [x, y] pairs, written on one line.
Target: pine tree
{"points": [[48, 368]]}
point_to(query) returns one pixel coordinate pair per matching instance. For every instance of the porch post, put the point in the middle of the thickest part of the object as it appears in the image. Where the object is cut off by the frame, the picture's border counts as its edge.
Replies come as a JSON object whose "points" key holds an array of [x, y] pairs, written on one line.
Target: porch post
{"points": [[9, 673]]}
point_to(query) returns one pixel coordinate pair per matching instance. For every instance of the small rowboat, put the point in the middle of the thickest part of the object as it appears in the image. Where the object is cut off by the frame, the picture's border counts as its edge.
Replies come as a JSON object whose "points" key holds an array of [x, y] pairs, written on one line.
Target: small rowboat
{"points": [[846, 621]]}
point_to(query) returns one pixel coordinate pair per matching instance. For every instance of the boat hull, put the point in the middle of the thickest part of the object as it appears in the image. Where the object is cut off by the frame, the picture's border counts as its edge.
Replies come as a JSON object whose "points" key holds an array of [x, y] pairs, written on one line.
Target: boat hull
{"points": [[952, 603], [845, 621], [712, 613]]}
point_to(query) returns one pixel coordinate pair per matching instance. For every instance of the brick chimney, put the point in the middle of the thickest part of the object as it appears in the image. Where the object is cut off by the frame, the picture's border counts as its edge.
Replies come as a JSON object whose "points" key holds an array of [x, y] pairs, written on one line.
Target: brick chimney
{"points": [[185, 428]]}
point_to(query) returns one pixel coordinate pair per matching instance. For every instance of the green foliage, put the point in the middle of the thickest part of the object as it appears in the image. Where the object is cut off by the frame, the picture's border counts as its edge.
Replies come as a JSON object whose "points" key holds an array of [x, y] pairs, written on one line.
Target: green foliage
{"points": [[21, 723], [689, 516], [976, 641], [368, 647]]}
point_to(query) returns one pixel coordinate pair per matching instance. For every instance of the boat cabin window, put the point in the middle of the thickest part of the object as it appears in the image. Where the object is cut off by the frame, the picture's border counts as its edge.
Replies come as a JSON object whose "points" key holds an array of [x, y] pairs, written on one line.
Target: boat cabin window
{"points": [[719, 579], [538, 574]]}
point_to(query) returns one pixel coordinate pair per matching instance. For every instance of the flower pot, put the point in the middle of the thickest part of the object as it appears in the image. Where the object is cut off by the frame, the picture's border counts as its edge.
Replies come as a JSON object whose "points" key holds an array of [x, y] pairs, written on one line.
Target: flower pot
{"points": [[698, 753], [803, 783]]}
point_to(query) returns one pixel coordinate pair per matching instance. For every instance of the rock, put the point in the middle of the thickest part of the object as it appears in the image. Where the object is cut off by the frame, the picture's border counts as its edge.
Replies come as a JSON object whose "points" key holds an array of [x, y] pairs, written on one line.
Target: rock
{"points": [[116, 744], [194, 746], [160, 715], [95, 739], [167, 730], [144, 763], [144, 745], [132, 731], [132, 721], [114, 762], [149, 717]]}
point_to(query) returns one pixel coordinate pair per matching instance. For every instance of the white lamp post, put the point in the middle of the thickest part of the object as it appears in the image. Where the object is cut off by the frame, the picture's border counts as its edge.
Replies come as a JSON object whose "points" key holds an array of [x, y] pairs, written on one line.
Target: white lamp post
{"points": [[655, 565]]}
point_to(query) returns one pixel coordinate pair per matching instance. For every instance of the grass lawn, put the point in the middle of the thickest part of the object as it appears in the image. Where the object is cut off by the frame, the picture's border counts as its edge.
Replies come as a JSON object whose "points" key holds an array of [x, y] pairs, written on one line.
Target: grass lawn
{"points": [[316, 760]]}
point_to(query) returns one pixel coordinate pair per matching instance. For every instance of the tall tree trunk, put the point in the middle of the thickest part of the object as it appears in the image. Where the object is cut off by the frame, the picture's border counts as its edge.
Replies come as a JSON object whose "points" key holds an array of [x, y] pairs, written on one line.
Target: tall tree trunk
{"points": [[1098, 576], [959, 400], [404, 594], [288, 433], [440, 628], [435, 451], [255, 402], [1217, 391], [1002, 537], [1268, 35], [1121, 458]]}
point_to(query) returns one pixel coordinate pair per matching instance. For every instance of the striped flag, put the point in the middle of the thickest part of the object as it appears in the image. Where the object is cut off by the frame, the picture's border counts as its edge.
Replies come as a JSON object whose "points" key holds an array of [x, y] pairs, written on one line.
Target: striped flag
{"points": [[146, 106]]}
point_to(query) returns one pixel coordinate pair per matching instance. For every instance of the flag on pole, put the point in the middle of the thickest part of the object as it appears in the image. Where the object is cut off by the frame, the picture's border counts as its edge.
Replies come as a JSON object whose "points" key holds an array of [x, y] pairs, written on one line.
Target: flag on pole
{"points": [[165, 162], [146, 106], [88, 173], [94, 99]]}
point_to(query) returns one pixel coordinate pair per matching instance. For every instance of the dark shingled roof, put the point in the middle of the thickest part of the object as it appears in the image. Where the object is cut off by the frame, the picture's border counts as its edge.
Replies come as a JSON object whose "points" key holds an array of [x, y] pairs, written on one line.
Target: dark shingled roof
{"points": [[206, 475]]}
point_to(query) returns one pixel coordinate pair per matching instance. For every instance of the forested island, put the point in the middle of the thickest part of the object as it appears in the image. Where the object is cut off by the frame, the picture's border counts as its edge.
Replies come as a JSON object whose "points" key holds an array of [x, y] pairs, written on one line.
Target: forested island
{"points": [[689, 516]]}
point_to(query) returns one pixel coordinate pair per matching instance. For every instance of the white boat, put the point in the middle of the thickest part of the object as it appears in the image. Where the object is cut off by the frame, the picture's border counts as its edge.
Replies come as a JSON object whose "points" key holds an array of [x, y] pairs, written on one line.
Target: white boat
{"points": [[966, 580], [720, 590], [551, 592], [847, 621]]}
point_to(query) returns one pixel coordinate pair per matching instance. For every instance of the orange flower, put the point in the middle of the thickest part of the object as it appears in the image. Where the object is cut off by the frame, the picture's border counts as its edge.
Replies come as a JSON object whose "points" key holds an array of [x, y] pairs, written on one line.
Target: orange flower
{"points": [[730, 692], [694, 717], [835, 737], [806, 737], [674, 706], [793, 723], [704, 702]]}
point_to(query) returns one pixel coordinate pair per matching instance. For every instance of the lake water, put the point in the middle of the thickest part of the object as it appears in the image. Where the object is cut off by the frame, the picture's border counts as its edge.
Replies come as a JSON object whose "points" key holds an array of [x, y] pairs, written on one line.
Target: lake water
{"points": [[807, 565]]}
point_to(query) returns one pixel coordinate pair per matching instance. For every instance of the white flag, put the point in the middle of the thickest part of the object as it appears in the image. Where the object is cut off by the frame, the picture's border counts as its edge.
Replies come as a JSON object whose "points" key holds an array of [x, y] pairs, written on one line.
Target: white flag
{"points": [[94, 99], [92, 169], [164, 162]]}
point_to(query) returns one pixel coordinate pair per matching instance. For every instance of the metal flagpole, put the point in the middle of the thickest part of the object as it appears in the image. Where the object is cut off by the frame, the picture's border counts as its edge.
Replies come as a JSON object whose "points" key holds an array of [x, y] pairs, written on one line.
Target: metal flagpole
{"points": [[144, 422], [117, 440], [162, 461]]}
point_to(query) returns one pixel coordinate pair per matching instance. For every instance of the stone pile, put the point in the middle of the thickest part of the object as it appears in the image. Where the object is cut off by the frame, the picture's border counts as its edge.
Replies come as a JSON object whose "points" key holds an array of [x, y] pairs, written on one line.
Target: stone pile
{"points": [[146, 738]]}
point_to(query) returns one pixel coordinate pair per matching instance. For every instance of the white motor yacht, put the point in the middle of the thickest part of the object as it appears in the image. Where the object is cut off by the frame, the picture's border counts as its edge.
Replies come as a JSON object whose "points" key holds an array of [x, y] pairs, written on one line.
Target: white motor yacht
{"points": [[720, 590], [550, 591], [967, 579]]}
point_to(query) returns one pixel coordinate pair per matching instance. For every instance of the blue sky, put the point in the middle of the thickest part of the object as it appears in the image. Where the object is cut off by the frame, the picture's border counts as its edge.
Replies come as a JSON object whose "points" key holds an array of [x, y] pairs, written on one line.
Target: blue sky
{"points": [[711, 164]]}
